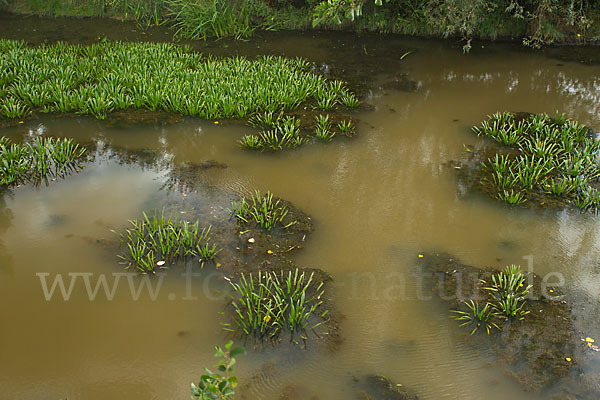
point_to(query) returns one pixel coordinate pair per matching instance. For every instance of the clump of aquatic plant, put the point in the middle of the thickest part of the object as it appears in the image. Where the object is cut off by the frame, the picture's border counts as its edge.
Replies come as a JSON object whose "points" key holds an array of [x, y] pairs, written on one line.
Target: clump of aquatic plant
{"points": [[477, 316], [284, 133], [512, 197], [323, 130], [13, 108], [588, 199], [509, 281], [283, 136], [269, 303], [511, 307], [326, 100], [561, 186], [509, 290], [552, 156], [252, 142], [40, 160], [156, 241], [499, 128], [264, 210], [346, 127], [267, 119], [349, 99], [219, 385]]}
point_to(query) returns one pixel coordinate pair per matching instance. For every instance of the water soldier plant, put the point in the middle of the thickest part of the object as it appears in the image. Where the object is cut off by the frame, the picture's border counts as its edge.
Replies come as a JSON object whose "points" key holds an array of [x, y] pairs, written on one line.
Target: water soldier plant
{"points": [[110, 76], [346, 127], [323, 128], [477, 316], [285, 133], [507, 295], [269, 303], [545, 157], [41, 160], [263, 210], [509, 291], [156, 241]]}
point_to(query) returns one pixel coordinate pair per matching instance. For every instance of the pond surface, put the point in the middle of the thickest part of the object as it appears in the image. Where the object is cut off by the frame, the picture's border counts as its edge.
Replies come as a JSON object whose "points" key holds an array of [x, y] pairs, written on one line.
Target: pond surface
{"points": [[377, 201]]}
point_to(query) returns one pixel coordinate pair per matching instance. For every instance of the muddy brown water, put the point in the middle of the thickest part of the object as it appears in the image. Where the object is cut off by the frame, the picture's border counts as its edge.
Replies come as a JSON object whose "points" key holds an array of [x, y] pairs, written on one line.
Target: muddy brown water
{"points": [[376, 200]]}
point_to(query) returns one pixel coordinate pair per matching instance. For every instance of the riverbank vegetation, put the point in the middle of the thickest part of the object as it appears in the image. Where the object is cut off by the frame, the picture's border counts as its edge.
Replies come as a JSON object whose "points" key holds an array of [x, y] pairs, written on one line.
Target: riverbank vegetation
{"points": [[42, 160], [534, 22], [544, 159]]}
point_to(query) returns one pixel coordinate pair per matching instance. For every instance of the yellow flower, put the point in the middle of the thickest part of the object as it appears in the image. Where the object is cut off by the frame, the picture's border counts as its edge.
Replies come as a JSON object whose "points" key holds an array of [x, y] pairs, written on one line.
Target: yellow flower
{"points": [[267, 318], [579, 35], [269, 252], [568, 359], [216, 122], [589, 340], [420, 255]]}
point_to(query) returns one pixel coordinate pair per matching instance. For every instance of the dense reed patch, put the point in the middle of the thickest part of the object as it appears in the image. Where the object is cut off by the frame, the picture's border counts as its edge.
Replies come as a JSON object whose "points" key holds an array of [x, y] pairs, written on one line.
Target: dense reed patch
{"points": [[108, 76], [265, 211], [548, 156], [41, 160], [157, 241], [269, 303]]}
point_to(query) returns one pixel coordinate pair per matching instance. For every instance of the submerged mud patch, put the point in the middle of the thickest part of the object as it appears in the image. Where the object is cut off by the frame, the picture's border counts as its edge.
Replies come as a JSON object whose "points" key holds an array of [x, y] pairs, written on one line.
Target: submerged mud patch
{"points": [[378, 387], [542, 352]]}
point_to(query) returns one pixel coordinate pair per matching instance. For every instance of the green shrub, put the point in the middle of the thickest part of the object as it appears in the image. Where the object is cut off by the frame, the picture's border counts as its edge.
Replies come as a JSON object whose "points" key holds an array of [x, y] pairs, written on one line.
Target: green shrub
{"points": [[219, 385]]}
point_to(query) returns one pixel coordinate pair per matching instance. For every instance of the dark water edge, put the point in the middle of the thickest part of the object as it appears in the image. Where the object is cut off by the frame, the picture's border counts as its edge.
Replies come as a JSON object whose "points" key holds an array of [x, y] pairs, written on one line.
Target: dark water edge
{"points": [[87, 30]]}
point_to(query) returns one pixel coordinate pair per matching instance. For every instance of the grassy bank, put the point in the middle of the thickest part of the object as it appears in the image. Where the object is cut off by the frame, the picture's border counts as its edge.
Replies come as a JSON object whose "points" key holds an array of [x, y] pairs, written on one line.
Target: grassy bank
{"points": [[534, 22]]}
